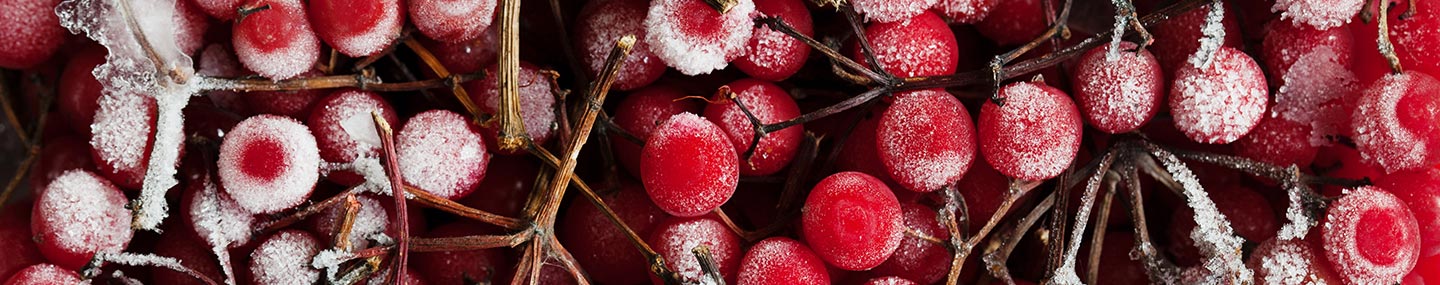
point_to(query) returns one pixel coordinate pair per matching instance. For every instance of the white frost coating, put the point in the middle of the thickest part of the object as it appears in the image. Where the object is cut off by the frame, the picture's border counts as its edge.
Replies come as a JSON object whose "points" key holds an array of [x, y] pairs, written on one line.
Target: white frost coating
{"points": [[1219, 246], [78, 213], [288, 166], [330, 260], [1065, 274], [1299, 223], [361, 127], [690, 50], [1320, 14], [119, 129], [1313, 87], [886, 11], [141, 259], [131, 68], [1288, 263], [1220, 103], [219, 219], [1214, 36], [285, 258], [1116, 33], [1379, 134]]}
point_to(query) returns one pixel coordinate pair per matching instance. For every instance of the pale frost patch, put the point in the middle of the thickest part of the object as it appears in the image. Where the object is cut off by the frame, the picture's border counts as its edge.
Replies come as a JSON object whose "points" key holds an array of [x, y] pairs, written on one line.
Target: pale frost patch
{"points": [[1219, 247], [1213, 38], [693, 52], [1319, 14]]}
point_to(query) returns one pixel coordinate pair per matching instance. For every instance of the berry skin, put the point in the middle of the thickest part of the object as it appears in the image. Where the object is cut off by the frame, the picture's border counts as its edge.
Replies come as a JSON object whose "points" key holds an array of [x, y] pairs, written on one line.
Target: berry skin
{"points": [[1278, 141], [926, 140], [889, 11], [1287, 42], [1318, 13], [595, 241], [696, 39], [537, 104], [640, 114], [675, 238], [295, 104], [688, 167], [1420, 190], [60, 154], [440, 152], [357, 28], [284, 258], [917, 259], [965, 11], [780, 260], [278, 42], [920, 46], [79, 91], [455, 267], [1034, 136], [1221, 102], [1394, 122], [1121, 95], [223, 10], [1179, 37], [770, 104], [336, 145], [773, 55], [1278, 262], [16, 240], [45, 274], [600, 24], [466, 56], [269, 163], [852, 220], [122, 136], [31, 31], [79, 215], [1014, 22], [452, 21], [1370, 237], [190, 27]]}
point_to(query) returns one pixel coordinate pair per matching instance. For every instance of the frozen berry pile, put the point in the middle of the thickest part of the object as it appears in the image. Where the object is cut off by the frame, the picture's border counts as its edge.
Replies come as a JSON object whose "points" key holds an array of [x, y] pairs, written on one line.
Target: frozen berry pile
{"points": [[279, 142]]}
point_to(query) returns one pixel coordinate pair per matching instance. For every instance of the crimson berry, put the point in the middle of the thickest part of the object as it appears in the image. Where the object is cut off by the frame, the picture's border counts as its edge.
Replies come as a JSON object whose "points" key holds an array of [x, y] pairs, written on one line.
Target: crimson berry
{"points": [[122, 136], [284, 258], [191, 252], [1248, 212], [675, 239], [466, 56], [1370, 237], [888, 11], [770, 104], [537, 104], [917, 259], [224, 10], [16, 239], [278, 42], [1220, 102], [780, 260], [1014, 22], [357, 28], [440, 153], [601, 247], [1286, 42], [640, 113], [60, 154], [966, 11], [79, 93], [1118, 95], [852, 220], [269, 163], [462, 267], [600, 24], [1034, 136], [773, 55], [31, 31], [328, 120], [1279, 262], [44, 274], [926, 140], [1278, 141], [1394, 122], [920, 46], [452, 20], [214, 218], [1177, 38], [1420, 190], [687, 166], [696, 39], [295, 104], [1318, 13], [79, 215]]}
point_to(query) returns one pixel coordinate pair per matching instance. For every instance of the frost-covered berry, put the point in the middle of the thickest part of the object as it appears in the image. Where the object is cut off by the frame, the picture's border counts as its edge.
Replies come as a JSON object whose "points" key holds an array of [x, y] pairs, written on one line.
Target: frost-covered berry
{"points": [[890, 280], [1034, 136], [1177, 38], [357, 28], [919, 259], [1319, 13], [773, 55], [696, 39], [466, 56], [295, 104], [920, 46], [223, 10], [16, 240], [79, 215], [780, 260], [269, 163], [284, 258], [121, 137], [640, 113], [852, 220], [1286, 43], [1278, 262], [769, 103], [965, 11], [452, 20], [1370, 237], [886, 11], [278, 42], [688, 167], [675, 238], [439, 152], [1278, 141], [1118, 95], [537, 104], [79, 92], [44, 274], [1420, 190], [1220, 102], [214, 217], [1013, 22], [1394, 122], [600, 24], [31, 31], [329, 119], [926, 140]]}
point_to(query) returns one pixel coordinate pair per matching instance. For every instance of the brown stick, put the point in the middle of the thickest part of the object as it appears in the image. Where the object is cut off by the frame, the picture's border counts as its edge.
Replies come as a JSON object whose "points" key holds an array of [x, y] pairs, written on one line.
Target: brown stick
{"points": [[397, 190]]}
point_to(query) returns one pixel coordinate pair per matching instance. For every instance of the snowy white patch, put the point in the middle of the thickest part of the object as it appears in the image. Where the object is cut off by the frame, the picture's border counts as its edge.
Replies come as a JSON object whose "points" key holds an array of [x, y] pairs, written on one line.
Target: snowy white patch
{"points": [[1218, 244], [1319, 14], [1213, 36], [670, 31]]}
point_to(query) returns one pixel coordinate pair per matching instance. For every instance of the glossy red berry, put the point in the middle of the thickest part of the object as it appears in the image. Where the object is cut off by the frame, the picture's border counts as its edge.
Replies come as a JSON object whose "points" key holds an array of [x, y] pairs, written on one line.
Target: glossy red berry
{"points": [[852, 220], [44, 274], [676, 238], [773, 55], [1220, 102], [965, 11], [688, 167], [1034, 136], [452, 20], [596, 242], [640, 113], [780, 260], [31, 31], [1278, 141], [917, 259], [1370, 237], [926, 140], [1118, 95], [1394, 122], [768, 103], [923, 45]]}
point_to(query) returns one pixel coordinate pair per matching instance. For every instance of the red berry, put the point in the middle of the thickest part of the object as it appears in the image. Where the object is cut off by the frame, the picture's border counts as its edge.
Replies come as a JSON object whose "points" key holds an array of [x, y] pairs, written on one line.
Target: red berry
{"points": [[452, 20], [440, 152], [599, 245], [889, 11], [45, 274], [1118, 95], [600, 24], [278, 42], [917, 47], [770, 104], [1014, 22], [688, 167], [696, 39], [926, 140], [852, 220], [984, 189], [1318, 13], [31, 31], [537, 104], [1394, 122], [918, 259], [79, 215], [1221, 102], [295, 104], [675, 238], [218, 60], [79, 91], [336, 145], [269, 163], [505, 190], [640, 113], [122, 136], [1370, 237], [1177, 38], [284, 258], [214, 218], [890, 280], [780, 260], [463, 267], [1248, 212], [466, 56], [191, 252], [224, 10], [1034, 136], [1279, 262], [965, 11], [357, 28], [1413, 36], [1278, 141], [1420, 190], [773, 55], [860, 151], [60, 154], [16, 239], [190, 26], [1288, 42]]}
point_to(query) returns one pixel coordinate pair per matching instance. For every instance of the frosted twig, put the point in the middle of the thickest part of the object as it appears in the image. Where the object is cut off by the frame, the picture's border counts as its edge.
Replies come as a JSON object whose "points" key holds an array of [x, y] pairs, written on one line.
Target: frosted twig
{"points": [[141, 259], [1387, 49], [1065, 274], [998, 252], [708, 266], [1213, 235], [1213, 32], [1161, 271]]}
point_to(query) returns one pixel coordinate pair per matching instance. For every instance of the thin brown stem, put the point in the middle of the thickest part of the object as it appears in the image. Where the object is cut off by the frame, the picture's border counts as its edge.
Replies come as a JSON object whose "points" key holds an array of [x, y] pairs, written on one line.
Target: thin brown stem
{"points": [[1160, 270], [286, 221], [997, 65], [464, 243], [397, 190], [722, 6], [708, 264], [347, 223], [1387, 49], [431, 200], [512, 135], [359, 81], [9, 109], [866, 49], [834, 55], [1001, 246], [434, 63], [1097, 238]]}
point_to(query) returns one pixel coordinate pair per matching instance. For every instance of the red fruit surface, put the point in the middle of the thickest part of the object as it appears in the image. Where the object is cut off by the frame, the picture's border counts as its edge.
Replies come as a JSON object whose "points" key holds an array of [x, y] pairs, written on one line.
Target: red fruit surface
{"points": [[452, 20], [1414, 37], [688, 167], [1014, 22], [190, 27], [192, 253], [1279, 262], [224, 10], [600, 24], [219, 60], [889, 11], [269, 163], [853, 221], [984, 189], [465, 56], [1370, 237], [357, 28], [294, 104], [1287, 42], [1219, 103], [965, 11], [537, 104], [926, 140], [441, 153], [213, 217], [60, 154], [1034, 136], [1394, 122], [505, 190], [640, 113], [601, 247], [1177, 38], [336, 144], [31, 31], [121, 137], [890, 280], [278, 43], [44, 274], [920, 46], [79, 91], [1278, 141], [79, 215], [675, 238], [773, 55], [917, 259], [462, 267], [1121, 95], [284, 258], [768, 103], [696, 39], [1420, 190], [16, 240], [860, 147], [780, 260]]}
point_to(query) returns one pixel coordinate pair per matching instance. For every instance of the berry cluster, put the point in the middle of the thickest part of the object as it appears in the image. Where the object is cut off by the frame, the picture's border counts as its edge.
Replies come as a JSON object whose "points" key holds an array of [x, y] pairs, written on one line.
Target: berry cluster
{"points": [[853, 142]]}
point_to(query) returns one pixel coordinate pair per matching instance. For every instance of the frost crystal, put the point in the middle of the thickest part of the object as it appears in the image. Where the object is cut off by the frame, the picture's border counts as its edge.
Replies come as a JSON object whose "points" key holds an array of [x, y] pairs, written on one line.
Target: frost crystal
{"points": [[1065, 274], [143, 59], [1116, 33], [1300, 223], [1213, 235], [1214, 36], [140, 259]]}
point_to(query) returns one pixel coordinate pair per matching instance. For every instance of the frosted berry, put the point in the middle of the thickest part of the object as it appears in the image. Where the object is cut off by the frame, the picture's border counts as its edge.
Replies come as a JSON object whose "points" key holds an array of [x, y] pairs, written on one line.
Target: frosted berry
{"points": [[1420, 190], [965, 11], [214, 217], [278, 43], [466, 56], [357, 28], [770, 104], [600, 24], [16, 240], [269, 163], [1279, 262], [1394, 122], [1034, 136], [926, 140], [79, 94], [1370, 237], [537, 104], [886, 11], [79, 215], [640, 113], [696, 39], [1287, 42], [675, 238], [329, 119], [190, 26], [1248, 212], [1278, 141], [773, 55], [440, 152], [452, 20], [122, 136], [918, 259], [31, 31], [920, 46], [284, 258], [890, 280], [1177, 38], [688, 167], [45, 274], [1319, 13], [58, 155], [780, 260], [295, 104], [852, 220], [224, 10], [1221, 102], [190, 251], [1118, 95]]}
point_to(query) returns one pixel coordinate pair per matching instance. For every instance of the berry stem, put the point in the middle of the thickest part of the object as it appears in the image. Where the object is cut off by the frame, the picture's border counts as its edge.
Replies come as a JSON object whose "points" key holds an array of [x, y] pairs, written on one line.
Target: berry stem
{"points": [[93, 268], [722, 6], [835, 57], [347, 222], [475, 242], [397, 190], [866, 48], [459, 91], [430, 200], [1097, 238], [277, 224], [1158, 268], [996, 256], [359, 81], [1059, 28], [512, 135], [172, 73], [1082, 218], [365, 62], [1387, 48], [9, 109], [708, 265]]}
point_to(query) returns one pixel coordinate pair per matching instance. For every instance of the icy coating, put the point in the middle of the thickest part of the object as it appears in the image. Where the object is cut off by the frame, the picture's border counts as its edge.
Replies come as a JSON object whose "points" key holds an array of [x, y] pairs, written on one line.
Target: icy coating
{"points": [[1118, 94], [919, 46], [1218, 244], [1313, 93], [285, 259], [1379, 132], [295, 158], [1321, 14], [216, 218], [129, 69], [926, 140], [1221, 102], [120, 134], [440, 153], [965, 11], [376, 29], [675, 241], [80, 214], [780, 260], [688, 166], [1034, 136], [1350, 238], [604, 22], [277, 43], [694, 38], [452, 20], [1286, 262], [770, 104], [1213, 36], [886, 11]]}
